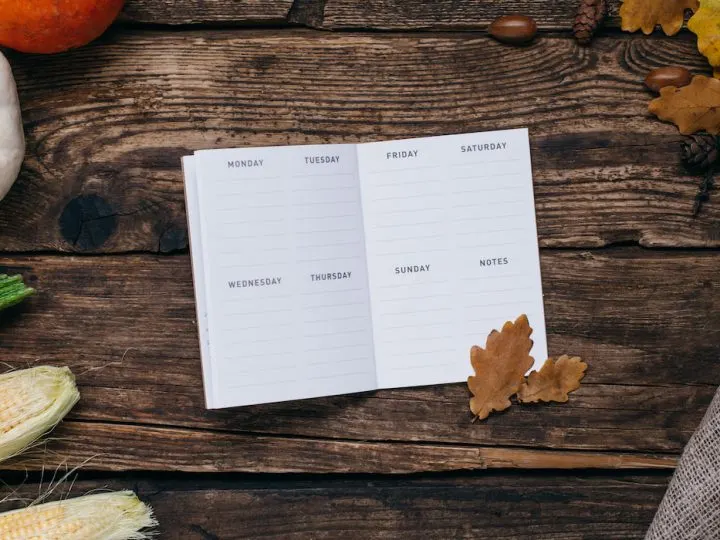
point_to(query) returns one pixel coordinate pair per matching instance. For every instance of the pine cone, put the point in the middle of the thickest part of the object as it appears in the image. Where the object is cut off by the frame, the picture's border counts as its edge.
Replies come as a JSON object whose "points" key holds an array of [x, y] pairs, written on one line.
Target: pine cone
{"points": [[589, 16], [700, 151]]}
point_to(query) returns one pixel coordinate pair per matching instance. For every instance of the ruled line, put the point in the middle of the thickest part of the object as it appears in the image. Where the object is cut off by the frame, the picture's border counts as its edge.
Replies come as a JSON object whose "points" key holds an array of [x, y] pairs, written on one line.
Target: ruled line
{"points": [[254, 221], [498, 291], [415, 339], [488, 202], [339, 348], [444, 165], [508, 187], [416, 284], [425, 366], [253, 265], [295, 204], [235, 179], [405, 238], [272, 325], [516, 303], [253, 236], [491, 231], [434, 310], [344, 304], [483, 245], [307, 218], [313, 293], [410, 210], [255, 251], [408, 196], [325, 231], [323, 175], [353, 187], [418, 325], [334, 333], [341, 376], [248, 192], [247, 208], [423, 297], [411, 252], [258, 312], [413, 224], [352, 257], [504, 276], [335, 319], [329, 245], [488, 176], [485, 218]]}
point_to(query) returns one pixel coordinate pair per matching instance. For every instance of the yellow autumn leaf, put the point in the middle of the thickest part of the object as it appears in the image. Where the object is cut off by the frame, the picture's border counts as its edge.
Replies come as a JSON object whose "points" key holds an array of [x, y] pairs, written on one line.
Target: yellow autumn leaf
{"points": [[692, 108], [646, 14], [706, 24]]}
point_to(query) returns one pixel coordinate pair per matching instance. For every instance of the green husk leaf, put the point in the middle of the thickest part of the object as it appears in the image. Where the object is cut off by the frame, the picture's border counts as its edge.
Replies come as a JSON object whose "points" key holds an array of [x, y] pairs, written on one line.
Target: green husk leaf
{"points": [[13, 291]]}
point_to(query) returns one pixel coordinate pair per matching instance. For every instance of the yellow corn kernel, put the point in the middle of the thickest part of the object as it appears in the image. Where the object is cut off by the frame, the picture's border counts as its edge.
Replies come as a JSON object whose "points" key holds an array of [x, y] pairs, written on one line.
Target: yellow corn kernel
{"points": [[32, 402], [106, 516]]}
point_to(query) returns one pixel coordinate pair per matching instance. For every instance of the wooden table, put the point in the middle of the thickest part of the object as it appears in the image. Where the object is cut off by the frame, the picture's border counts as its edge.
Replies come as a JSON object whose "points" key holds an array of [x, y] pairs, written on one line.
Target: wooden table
{"points": [[97, 223]]}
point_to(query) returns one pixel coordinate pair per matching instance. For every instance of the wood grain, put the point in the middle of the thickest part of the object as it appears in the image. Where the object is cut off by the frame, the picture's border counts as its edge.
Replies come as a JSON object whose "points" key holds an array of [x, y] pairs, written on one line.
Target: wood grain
{"points": [[557, 15], [175, 12], [125, 324], [499, 506], [355, 14], [107, 126], [117, 447]]}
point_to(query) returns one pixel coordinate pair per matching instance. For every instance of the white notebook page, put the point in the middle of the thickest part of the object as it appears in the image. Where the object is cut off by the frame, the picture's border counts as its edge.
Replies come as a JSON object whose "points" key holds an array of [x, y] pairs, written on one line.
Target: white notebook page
{"points": [[323, 270], [285, 273], [452, 250]]}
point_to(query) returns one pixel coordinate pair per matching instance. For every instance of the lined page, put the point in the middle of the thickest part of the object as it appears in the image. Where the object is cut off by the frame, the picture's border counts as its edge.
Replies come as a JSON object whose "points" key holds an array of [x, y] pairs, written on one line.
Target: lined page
{"points": [[194, 226], [452, 250], [285, 273]]}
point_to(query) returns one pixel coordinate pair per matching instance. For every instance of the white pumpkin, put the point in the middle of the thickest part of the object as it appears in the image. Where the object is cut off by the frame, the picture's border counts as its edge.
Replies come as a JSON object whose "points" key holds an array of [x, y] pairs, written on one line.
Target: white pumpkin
{"points": [[12, 139]]}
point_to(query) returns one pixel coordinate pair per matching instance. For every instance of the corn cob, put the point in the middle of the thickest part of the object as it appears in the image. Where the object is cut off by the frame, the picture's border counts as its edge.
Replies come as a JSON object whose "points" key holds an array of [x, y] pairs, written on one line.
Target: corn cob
{"points": [[32, 402], [105, 516], [12, 291]]}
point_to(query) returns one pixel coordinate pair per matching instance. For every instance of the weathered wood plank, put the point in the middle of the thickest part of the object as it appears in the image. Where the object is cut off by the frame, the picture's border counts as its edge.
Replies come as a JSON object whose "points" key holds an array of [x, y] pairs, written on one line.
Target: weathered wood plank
{"points": [[117, 447], [499, 506], [107, 126], [646, 322], [449, 14], [216, 12], [355, 14]]}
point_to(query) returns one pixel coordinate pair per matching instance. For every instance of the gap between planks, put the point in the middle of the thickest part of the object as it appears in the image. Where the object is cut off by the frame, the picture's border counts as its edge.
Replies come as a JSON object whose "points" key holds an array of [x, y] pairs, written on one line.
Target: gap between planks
{"points": [[123, 447]]}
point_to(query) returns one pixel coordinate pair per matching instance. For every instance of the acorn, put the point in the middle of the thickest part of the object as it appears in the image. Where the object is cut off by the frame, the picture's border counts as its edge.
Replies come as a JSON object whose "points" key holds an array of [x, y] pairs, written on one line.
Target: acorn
{"points": [[668, 76], [514, 29]]}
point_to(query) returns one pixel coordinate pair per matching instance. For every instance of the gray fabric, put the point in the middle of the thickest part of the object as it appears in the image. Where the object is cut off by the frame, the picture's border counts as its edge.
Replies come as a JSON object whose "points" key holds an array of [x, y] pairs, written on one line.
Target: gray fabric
{"points": [[691, 507]]}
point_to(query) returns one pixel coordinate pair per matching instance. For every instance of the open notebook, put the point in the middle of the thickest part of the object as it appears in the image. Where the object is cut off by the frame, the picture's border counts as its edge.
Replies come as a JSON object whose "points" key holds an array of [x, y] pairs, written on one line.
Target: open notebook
{"points": [[323, 270]]}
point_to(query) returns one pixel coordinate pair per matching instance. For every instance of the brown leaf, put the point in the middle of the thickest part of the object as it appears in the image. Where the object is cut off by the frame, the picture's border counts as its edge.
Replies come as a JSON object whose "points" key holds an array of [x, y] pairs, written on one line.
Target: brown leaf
{"points": [[646, 14], [554, 380], [692, 108], [500, 367]]}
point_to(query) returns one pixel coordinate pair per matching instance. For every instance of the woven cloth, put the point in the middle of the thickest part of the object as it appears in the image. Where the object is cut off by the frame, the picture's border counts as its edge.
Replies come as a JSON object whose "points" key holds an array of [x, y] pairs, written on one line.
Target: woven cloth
{"points": [[691, 507]]}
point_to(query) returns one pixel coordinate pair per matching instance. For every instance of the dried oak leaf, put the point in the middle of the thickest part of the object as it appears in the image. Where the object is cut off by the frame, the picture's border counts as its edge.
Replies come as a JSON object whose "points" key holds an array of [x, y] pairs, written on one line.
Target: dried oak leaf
{"points": [[500, 367], [706, 24], [646, 14], [693, 107], [554, 380]]}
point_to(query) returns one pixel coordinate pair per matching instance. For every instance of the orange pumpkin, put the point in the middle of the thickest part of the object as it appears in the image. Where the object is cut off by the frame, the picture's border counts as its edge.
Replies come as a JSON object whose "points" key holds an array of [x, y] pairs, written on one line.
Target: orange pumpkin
{"points": [[51, 26]]}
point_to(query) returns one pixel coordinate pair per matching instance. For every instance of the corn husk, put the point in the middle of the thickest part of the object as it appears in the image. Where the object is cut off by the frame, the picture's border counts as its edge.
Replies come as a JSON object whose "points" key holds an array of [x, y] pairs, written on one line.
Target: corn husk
{"points": [[105, 516], [32, 402]]}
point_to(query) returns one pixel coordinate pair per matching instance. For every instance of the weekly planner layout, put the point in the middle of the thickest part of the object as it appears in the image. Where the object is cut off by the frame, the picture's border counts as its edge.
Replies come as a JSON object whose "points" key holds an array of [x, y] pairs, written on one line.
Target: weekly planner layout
{"points": [[331, 269]]}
